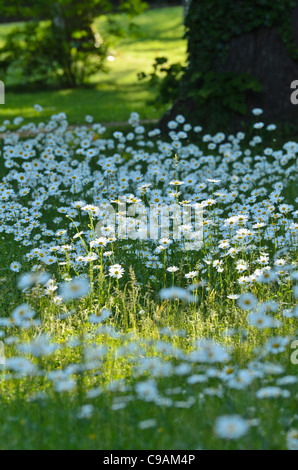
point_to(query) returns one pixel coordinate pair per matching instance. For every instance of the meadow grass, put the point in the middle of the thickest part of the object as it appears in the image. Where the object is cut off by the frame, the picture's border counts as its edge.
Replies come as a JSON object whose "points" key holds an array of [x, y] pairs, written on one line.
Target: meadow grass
{"points": [[131, 343]]}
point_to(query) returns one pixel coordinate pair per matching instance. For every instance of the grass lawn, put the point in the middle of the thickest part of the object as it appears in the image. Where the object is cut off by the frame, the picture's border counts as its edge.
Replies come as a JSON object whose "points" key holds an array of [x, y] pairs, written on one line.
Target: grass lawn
{"points": [[112, 96]]}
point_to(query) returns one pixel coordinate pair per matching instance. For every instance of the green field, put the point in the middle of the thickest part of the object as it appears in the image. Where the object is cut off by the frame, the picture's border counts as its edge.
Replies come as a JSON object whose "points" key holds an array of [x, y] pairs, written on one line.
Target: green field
{"points": [[112, 96]]}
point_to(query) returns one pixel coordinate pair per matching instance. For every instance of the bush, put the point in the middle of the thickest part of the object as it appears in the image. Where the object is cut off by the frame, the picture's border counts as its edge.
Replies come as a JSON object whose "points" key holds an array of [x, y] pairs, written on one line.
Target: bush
{"points": [[166, 79], [66, 48]]}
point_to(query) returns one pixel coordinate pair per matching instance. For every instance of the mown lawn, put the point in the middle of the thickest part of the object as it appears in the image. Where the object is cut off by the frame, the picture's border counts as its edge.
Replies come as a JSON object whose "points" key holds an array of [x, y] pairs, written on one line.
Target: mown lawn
{"points": [[112, 96]]}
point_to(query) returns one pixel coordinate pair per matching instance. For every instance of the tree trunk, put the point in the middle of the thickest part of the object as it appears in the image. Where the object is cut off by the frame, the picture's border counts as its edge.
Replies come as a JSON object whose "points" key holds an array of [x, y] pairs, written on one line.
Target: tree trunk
{"points": [[186, 4], [262, 54]]}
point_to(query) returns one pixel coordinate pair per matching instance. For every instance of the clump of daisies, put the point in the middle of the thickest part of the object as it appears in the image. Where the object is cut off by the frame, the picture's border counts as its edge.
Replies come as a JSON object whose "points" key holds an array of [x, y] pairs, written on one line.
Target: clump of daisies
{"points": [[171, 258]]}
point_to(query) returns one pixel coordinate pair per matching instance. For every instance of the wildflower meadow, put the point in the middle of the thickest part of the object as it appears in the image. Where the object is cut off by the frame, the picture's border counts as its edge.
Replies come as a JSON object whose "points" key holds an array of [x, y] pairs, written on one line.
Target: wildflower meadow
{"points": [[149, 286]]}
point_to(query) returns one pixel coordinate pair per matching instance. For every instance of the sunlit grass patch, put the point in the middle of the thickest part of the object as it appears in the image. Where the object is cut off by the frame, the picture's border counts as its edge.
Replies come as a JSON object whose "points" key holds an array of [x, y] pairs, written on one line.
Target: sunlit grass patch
{"points": [[112, 96]]}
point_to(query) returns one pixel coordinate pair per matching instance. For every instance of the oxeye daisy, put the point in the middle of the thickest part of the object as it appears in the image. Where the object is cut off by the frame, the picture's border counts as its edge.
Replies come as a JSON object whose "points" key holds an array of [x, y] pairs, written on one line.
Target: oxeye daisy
{"points": [[172, 269], [74, 289], [247, 301], [257, 111], [176, 183], [231, 427], [191, 274], [176, 293], [15, 266], [258, 125], [276, 344], [38, 108], [116, 271], [233, 296], [21, 312]]}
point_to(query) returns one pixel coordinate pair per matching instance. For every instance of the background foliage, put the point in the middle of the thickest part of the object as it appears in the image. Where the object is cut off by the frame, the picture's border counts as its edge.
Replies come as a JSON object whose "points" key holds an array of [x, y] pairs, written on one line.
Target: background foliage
{"points": [[210, 27], [61, 44]]}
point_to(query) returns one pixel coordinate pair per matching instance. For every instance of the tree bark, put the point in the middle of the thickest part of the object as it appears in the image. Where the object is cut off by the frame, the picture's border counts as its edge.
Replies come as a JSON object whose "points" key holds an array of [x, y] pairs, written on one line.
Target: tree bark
{"points": [[262, 54]]}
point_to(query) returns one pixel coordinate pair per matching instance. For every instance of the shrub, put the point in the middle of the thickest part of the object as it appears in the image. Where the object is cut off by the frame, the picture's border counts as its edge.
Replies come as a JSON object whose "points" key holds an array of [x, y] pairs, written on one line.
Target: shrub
{"points": [[62, 44]]}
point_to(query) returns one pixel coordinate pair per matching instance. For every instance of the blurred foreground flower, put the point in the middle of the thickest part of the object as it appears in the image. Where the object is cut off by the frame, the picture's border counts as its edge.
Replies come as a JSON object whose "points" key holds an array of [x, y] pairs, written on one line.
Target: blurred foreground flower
{"points": [[231, 427], [171, 293], [74, 289]]}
